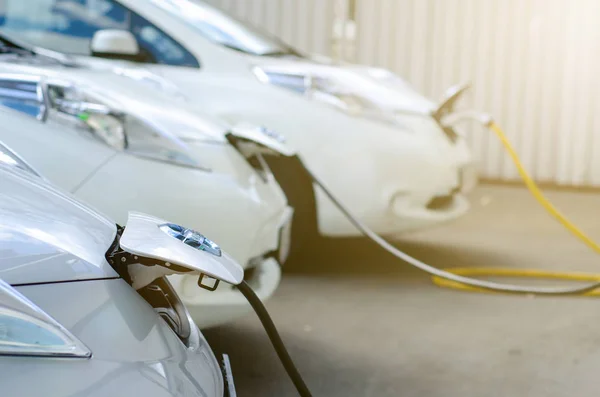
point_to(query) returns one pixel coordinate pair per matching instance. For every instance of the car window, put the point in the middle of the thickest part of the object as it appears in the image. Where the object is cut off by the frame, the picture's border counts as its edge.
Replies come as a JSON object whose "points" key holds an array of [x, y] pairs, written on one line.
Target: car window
{"points": [[158, 46], [224, 29], [61, 25], [69, 25]]}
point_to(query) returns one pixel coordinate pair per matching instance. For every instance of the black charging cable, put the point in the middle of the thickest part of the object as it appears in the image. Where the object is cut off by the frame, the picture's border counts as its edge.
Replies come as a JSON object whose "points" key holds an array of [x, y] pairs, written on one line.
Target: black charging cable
{"points": [[275, 338]]}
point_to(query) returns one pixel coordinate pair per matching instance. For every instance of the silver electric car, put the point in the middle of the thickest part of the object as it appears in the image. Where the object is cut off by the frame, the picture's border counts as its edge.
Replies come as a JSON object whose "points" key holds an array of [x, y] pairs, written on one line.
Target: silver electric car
{"points": [[70, 322]]}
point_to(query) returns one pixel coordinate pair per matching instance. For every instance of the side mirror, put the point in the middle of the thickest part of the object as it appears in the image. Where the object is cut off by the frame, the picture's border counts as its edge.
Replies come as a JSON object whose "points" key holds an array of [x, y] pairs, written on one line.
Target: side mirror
{"points": [[153, 248], [115, 44]]}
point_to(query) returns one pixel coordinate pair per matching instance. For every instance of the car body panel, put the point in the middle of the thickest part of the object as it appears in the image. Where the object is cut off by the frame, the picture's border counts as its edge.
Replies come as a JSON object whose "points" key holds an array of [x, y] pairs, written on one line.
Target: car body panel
{"points": [[12, 160], [413, 158], [227, 192], [344, 150], [384, 161], [127, 89], [134, 350], [218, 205], [251, 202], [49, 240], [44, 232], [378, 85], [28, 137]]}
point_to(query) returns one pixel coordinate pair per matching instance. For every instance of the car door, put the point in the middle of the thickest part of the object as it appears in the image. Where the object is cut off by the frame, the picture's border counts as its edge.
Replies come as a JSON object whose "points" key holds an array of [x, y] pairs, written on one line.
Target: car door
{"points": [[60, 151]]}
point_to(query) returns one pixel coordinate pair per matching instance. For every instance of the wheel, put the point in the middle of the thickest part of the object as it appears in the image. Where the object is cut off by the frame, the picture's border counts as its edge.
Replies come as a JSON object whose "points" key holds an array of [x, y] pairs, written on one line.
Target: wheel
{"points": [[299, 189]]}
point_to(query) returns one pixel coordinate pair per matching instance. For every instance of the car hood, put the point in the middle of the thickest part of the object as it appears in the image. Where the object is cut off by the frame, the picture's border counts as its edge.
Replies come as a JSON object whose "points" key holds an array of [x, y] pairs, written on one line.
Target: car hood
{"points": [[46, 236], [143, 94], [380, 86], [135, 91]]}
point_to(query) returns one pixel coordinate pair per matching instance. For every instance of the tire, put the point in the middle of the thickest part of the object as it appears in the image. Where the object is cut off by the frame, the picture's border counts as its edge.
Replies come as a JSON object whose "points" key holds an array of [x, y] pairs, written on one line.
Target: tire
{"points": [[299, 189]]}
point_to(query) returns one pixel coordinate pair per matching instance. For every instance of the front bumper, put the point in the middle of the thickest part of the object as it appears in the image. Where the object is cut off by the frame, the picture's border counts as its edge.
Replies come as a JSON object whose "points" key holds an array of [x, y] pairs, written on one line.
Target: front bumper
{"points": [[411, 212], [134, 352], [417, 187]]}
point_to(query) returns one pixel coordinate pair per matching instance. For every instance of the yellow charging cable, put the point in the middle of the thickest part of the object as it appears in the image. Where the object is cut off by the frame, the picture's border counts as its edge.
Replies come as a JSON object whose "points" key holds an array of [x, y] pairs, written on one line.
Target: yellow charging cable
{"points": [[525, 273], [537, 193], [455, 278], [520, 273]]}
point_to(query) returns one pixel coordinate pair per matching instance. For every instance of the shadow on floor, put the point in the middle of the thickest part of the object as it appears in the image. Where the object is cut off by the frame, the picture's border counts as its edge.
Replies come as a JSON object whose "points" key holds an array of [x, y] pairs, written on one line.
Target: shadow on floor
{"points": [[362, 256], [259, 372], [358, 322]]}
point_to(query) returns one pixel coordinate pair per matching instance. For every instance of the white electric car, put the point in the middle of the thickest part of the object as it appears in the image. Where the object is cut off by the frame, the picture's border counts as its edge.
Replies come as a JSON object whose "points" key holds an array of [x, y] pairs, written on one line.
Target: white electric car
{"points": [[70, 322], [369, 137], [118, 144]]}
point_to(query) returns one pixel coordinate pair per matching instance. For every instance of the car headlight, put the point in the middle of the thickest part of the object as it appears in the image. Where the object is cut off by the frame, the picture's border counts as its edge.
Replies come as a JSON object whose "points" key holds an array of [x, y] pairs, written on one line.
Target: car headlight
{"points": [[117, 129], [329, 91], [26, 330]]}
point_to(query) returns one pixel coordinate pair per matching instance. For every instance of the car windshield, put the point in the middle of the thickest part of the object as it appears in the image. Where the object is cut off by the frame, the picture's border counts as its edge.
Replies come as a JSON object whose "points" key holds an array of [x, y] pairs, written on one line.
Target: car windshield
{"points": [[224, 29]]}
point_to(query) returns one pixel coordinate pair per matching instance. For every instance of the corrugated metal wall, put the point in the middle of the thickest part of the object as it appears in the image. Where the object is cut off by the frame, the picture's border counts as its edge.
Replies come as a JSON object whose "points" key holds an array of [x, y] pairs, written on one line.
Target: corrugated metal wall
{"points": [[531, 64], [305, 24]]}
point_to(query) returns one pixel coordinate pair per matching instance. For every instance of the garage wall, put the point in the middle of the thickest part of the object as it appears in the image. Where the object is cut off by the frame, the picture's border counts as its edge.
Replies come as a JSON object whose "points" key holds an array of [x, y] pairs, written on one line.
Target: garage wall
{"points": [[305, 24], [532, 64]]}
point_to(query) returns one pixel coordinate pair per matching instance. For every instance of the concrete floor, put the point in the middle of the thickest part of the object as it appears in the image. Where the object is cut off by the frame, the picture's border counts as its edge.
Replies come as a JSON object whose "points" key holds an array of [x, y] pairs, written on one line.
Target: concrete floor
{"points": [[359, 323]]}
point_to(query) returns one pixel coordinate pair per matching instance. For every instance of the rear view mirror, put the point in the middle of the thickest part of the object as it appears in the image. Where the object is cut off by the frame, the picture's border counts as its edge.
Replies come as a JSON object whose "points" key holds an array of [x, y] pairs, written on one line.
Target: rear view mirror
{"points": [[159, 248], [114, 44]]}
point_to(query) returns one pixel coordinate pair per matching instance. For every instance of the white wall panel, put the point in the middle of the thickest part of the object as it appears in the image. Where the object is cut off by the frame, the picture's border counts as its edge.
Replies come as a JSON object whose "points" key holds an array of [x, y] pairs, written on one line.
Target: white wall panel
{"points": [[533, 64], [305, 24]]}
